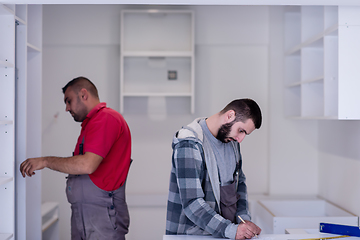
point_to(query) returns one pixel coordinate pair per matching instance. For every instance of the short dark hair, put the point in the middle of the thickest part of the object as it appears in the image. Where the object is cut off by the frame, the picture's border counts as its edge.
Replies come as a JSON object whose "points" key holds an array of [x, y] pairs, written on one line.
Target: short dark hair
{"points": [[79, 83], [245, 109]]}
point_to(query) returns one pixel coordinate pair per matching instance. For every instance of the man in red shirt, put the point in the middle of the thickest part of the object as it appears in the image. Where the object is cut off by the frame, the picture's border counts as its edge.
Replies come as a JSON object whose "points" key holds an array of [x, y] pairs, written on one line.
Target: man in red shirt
{"points": [[98, 168]]}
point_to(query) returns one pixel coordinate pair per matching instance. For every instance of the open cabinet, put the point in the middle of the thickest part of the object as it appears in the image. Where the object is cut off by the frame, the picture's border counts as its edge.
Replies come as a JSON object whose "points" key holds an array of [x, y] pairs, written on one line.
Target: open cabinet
{"points": [[20, 137], [321, 52], [7, 123], [157, 54]]}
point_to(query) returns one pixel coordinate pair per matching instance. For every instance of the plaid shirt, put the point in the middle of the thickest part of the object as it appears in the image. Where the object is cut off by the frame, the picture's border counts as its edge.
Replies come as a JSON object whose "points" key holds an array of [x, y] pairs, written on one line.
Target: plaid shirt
{"points": [[192, 208]]}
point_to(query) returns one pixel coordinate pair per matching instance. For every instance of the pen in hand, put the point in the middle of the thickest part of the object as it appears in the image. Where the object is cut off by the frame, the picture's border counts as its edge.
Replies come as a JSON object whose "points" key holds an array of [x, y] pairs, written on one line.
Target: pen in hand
{"points": [[245, 223]]}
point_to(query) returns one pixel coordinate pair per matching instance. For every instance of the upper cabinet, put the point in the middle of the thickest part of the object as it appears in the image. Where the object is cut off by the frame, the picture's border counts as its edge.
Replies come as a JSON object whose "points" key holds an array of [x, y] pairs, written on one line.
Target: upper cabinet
{"points": [[322, 53], [157, 54]]}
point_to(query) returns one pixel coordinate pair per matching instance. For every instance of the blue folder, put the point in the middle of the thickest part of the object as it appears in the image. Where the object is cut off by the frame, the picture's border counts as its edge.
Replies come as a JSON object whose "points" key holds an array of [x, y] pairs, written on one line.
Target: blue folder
{"points": [[340, 229]]}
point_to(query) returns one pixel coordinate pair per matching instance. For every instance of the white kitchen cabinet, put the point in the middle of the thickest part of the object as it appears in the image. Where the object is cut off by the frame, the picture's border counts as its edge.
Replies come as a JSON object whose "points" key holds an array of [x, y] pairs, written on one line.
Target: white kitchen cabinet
{"points": [[321, 52], [20, 128], [157, 54], [50, 220], [276, 215], [7, 122]]}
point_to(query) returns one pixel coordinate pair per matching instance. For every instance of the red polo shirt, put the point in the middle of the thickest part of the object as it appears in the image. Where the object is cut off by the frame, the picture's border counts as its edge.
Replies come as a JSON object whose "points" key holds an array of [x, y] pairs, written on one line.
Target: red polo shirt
{"points": [[107, 134]]}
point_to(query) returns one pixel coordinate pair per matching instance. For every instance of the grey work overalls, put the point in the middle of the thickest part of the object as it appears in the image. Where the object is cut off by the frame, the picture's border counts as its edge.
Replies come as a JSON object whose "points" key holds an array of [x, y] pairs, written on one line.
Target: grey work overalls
{"points": [[96, 214], [229, 198]]}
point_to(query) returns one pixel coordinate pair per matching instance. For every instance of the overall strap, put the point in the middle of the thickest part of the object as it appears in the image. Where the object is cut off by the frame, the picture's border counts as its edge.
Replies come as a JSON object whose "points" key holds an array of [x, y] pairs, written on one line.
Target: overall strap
{"points": [[236, 147], [81, 146]]}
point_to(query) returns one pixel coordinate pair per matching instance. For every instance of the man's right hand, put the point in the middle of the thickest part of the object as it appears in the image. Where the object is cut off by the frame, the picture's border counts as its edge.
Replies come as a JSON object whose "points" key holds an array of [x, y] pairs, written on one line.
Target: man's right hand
{"points": [[247, 230], [30, 165]]}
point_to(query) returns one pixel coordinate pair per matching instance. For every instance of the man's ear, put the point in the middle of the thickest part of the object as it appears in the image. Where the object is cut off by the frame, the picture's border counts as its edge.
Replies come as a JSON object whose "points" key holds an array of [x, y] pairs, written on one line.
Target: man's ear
{"points": [[230, 116], [84, 94]]}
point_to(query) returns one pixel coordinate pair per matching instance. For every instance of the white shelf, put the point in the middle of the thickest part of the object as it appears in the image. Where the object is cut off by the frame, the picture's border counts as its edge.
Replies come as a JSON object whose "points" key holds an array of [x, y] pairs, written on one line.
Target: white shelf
{"points": [[320, 49], [20, 20], [154, 94], [6, 64], [4, 10], [21, 12], [6, 236], [295, 84], [299, 83], [4, 180], [157, 54], [32, 48], [331, 30], [312, 118], [315, 79], [47, 207], [49, 214], [313, 41], [49, 223], [154, 11], [153, 43], [5, 122]]}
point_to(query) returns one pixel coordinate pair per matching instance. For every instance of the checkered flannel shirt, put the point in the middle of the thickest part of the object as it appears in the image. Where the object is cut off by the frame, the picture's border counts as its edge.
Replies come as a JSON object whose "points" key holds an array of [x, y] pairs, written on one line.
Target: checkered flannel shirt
{"points": [[192, 207]]}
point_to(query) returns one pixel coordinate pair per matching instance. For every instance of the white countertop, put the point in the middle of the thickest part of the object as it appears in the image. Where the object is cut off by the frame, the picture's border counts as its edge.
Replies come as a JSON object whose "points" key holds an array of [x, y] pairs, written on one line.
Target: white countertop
{"points": [[263, 237]]}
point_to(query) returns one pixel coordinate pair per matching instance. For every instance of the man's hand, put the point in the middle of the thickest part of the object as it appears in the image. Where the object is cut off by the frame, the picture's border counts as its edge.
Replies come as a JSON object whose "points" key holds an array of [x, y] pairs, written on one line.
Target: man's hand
{"points": [[79, 164], [247, 230], [30, 165]]}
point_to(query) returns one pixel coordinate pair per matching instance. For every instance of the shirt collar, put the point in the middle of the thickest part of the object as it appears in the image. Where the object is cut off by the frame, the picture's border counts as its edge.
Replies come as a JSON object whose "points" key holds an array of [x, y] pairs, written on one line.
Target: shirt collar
{"points": [[93, 111]]}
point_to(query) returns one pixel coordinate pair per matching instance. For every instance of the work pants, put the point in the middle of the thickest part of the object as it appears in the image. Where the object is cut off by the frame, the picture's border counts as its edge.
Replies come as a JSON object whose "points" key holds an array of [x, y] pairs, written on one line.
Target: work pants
{"points": [[96, 214]]}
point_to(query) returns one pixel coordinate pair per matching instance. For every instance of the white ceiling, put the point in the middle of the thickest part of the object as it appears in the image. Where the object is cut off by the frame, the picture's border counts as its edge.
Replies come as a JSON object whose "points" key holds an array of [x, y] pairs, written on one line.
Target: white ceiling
{"points": [[190, 2]]}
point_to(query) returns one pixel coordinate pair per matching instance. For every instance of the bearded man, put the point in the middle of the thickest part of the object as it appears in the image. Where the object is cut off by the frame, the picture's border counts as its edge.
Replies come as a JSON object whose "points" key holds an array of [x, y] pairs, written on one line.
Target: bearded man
{"points": [[207, 192]]}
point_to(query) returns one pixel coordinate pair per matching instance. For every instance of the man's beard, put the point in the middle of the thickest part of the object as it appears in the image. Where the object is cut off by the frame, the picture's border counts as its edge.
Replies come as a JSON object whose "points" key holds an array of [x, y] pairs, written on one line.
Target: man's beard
{"points": [[81, 111], [79, 117], [224, 131]]}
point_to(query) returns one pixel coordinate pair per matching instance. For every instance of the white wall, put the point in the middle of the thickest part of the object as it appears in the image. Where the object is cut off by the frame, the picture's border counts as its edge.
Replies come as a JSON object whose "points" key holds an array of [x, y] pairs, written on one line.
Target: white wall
{"points": [[293, 165], [339, 163], [231, 62]]}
